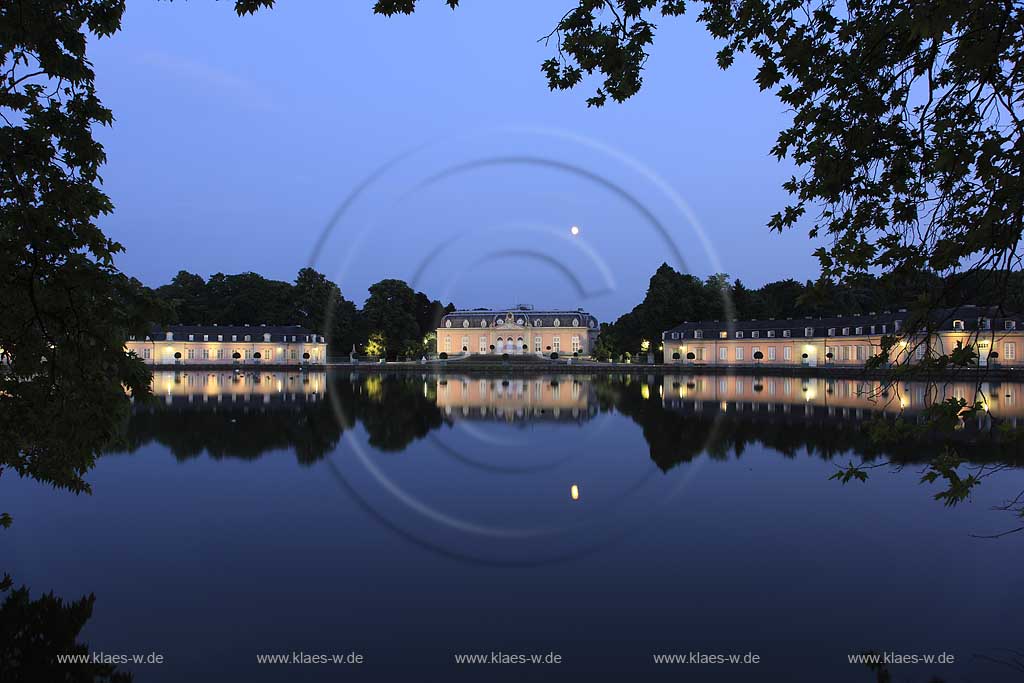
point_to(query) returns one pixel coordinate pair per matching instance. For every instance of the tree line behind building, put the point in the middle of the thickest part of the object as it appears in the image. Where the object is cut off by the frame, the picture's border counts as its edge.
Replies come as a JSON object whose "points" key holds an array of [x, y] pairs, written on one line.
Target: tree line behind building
{"points": [[395, 320]]}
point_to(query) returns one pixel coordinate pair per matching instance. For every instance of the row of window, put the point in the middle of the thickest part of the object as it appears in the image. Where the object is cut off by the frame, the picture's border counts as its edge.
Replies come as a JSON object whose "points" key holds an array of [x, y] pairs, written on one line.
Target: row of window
{"points": [[840, 353], [536, 323], [510, 346], [220, 354], [808, 332], [248, 337], [984, 324]]}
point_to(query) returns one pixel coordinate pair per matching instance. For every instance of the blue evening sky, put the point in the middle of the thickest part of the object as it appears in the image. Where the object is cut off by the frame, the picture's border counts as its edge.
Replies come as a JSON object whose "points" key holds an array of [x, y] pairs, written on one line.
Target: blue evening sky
{"points": [[240, 144]]}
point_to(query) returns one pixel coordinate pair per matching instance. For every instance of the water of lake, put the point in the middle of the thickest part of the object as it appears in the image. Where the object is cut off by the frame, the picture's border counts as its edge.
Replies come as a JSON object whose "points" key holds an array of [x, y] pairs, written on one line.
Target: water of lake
{"points": [[416, 518]]}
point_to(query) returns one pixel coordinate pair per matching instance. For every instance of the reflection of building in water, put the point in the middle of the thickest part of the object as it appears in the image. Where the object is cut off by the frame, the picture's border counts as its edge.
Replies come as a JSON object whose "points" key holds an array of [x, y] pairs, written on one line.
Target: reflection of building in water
{"points": [[238, 389], [522, 398], [827, 397]]}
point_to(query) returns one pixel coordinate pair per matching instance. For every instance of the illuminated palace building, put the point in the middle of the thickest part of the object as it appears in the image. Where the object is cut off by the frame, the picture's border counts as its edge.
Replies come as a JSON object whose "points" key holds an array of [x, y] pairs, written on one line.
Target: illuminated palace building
{"points": [[187, 345], [518, 330], [845, 341]]}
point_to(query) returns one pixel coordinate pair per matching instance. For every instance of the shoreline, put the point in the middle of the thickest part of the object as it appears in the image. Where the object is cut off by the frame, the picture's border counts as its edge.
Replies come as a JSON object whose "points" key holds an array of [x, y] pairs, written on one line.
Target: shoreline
{"points": [[585, 367]]}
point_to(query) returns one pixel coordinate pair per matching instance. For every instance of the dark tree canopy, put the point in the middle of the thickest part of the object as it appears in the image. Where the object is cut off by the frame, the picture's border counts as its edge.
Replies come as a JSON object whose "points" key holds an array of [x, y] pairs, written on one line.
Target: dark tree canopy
{"points": [[906, 118]]}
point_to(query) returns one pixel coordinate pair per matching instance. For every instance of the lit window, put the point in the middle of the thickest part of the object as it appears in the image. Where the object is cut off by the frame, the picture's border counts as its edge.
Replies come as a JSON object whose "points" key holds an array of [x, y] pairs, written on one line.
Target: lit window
{"points": [[723, 335]]}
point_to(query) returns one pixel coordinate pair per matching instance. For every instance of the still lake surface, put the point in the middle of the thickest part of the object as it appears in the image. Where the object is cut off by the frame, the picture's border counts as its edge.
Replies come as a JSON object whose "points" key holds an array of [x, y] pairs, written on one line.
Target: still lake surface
{"points": [[418, 517]]}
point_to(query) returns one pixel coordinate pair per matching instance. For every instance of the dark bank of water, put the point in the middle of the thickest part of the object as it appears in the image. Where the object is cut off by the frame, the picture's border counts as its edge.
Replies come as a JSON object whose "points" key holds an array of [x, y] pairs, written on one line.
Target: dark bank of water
{"points": [[412, 519]]}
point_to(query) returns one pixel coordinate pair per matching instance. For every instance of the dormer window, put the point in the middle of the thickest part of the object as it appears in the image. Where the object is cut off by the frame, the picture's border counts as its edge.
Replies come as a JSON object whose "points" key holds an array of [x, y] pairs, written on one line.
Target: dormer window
{"points": [[859, 330], [785, 333], [1009, 325], [899, 324], [698, 334], [985, 323], [234, 337], [958, 325], [220, 337], [755, 334], [771, 334], [675, 335], [872, 329], [739, 334], [846, 331], [723, 335], [206, 337], [131, 337], [447, 323], [885, 329], [191, 337], [249, 338], [266, 336], [808, 331], [831, 331]]}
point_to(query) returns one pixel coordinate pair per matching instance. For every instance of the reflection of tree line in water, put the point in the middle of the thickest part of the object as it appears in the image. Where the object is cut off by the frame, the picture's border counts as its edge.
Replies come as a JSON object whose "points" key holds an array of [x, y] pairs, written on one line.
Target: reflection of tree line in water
{"points": [[396, 410], [393, 411]]}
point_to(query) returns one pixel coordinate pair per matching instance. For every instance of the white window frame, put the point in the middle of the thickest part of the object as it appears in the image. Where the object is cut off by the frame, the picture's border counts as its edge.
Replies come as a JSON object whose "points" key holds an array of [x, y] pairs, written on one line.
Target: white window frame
{"points": [[723, 353], [738, 354]]}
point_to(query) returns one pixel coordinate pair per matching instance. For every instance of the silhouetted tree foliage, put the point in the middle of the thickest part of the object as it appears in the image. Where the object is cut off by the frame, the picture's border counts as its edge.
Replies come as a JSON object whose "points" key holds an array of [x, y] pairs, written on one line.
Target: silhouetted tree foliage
{"points": [[34, 632], [400, 317]]}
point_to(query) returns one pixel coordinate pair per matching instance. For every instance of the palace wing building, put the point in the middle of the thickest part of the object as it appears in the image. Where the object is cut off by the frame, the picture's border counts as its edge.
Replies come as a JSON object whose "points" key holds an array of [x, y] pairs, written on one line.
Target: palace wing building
{"points": [[844, 341], [516, 331], [230, 345]]}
